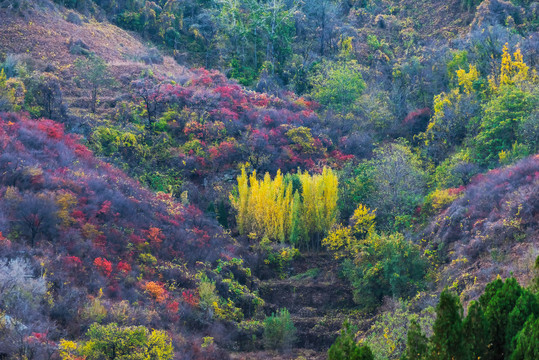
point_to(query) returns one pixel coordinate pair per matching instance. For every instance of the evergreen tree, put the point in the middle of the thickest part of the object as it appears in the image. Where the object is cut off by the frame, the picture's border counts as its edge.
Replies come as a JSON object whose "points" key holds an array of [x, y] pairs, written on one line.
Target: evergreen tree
{"points": [[490, 291], [497, 314], [526, 306], [475, 329], [279, 331], [527, 341], [417, 344], [448, 340]]}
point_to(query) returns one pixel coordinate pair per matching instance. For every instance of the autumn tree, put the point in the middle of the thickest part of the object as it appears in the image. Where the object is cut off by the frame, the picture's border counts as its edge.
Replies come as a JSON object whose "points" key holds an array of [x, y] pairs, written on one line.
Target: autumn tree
{"points": [[12, 93], [453, 112], [271, 208], [345, 240], [319, 208], [113, 342]]}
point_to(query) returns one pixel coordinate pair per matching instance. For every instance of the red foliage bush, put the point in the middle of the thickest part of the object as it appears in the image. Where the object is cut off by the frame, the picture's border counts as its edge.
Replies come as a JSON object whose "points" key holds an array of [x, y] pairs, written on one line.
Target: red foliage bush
{"points": [[103, 265], [190, 298], [123, 267]]}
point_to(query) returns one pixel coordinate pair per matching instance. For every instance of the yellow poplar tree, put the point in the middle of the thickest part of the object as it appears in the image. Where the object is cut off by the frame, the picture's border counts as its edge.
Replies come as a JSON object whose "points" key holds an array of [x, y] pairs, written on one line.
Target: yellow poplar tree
{"points": [[270, 207], [320, 194]]}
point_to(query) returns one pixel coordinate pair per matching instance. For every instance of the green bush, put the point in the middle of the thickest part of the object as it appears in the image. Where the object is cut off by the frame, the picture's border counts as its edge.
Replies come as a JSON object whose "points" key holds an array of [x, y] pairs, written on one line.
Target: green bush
{"points": [[386, 266], [279, 331], [345, 347], [499, 127], [338, 85]]}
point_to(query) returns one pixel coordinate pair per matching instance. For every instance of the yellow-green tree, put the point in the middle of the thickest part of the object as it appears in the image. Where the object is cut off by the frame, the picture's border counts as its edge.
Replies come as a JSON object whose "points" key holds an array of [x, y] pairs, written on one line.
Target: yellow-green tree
{"points": [[12, 92], [269, 207], [320, 194], [513, 71], [345, 240], [111, 342]]}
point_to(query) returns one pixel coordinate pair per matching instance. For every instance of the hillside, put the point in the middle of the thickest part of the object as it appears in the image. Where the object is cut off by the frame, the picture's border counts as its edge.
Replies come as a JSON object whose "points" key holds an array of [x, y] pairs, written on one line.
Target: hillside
{"points": [[92, 230], [490, 229], [209, 179]]}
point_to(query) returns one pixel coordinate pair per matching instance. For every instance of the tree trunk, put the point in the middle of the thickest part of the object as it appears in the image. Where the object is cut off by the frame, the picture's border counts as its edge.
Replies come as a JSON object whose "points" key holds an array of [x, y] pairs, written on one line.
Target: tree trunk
{"points": [[94, 99]]}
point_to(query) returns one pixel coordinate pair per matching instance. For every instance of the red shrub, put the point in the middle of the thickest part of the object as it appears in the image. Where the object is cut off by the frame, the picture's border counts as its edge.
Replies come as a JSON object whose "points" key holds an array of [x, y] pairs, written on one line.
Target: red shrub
{"points": [[189, 298], [123, 267], [103, 265]]}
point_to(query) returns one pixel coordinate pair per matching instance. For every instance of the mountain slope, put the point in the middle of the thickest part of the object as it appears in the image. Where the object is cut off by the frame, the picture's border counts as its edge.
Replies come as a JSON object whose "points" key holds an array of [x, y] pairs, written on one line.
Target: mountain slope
{"points": [[95, 236]]}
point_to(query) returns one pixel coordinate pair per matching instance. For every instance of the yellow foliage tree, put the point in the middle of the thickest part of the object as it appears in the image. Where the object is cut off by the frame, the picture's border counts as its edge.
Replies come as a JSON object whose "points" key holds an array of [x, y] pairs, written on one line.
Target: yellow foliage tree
{"points": [[467, 79], [66, 202], [270, 207], [340, 240], [320, 194], [363, 221], [109, 342], [156, 291], [513, 71], [345, 240], [13, 90]]}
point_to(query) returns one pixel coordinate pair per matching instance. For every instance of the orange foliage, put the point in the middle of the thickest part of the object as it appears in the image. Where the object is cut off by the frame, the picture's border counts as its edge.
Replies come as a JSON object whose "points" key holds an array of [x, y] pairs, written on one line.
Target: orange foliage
{"points": [[155, 236], [156, 291]]}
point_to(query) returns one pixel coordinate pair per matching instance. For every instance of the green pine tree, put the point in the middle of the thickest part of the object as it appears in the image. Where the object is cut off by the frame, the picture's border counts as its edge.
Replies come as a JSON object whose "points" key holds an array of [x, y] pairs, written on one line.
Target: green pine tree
{"points": [[526, 306], [497, 314], [448, 340], [475, 327], [527, 341], [417, 344]]}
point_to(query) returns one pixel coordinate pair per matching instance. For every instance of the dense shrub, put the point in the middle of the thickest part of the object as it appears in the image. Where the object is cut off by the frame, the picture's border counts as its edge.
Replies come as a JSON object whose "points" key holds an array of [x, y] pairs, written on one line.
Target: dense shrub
{"points": [[496, 205], [114, 342], [112, 239]]}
